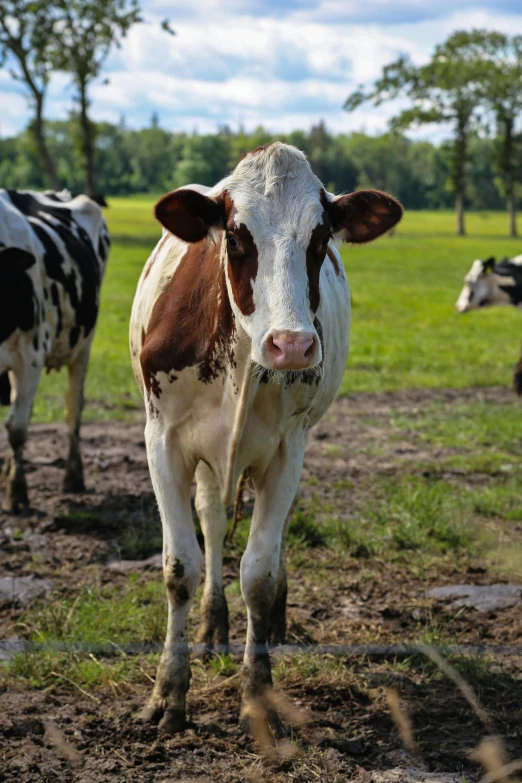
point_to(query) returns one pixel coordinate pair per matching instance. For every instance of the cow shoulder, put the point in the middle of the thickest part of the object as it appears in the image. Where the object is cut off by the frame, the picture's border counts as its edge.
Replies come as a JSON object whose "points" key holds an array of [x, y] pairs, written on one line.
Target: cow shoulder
{"points": [[191, 323]]}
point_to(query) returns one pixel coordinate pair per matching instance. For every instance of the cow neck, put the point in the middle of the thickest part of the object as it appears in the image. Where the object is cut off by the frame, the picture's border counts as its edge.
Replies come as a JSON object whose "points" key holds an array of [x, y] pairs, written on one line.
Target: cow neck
{"points": [[192, 323]]}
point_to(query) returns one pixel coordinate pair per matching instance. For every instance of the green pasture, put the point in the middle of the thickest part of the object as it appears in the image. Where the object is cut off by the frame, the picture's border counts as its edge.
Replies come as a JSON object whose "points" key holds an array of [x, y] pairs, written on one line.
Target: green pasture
{"points": [[405, 331]]}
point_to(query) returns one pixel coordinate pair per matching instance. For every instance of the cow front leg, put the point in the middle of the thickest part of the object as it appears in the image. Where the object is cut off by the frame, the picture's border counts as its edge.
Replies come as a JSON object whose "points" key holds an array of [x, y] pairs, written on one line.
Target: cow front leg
{"points": [[213, 626], [260, 568], [74, 400], [171, 479], [277, 622], [25, 383]]}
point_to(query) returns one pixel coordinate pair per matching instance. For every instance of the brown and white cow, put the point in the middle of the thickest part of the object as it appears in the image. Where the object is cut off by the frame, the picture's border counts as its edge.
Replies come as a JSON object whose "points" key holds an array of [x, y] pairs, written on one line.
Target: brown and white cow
{"points": [[53, 251], [239, 341]]}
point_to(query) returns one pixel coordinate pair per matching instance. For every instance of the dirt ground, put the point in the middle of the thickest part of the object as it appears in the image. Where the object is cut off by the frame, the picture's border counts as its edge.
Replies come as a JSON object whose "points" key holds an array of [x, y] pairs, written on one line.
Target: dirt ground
{"points": [[63, 734]]}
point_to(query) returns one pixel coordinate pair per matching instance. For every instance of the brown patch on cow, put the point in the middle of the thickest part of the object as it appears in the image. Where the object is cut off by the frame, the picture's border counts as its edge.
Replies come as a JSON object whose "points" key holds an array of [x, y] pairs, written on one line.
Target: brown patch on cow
{"points": [[155, 386], [242, 261], [178, 569], [191, 322], [315, 255], [333, 258], [364, 215]]}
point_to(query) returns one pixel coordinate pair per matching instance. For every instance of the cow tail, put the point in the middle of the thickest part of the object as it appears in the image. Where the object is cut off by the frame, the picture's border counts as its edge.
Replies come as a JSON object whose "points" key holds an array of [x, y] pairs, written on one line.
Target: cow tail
{"points": [[5, 389]]}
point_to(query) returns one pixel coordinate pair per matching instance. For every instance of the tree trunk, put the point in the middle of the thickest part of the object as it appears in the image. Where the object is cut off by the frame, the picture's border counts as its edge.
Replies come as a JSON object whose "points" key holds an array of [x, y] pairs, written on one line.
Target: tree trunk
{"points": [[459, 209], [459, 174], [87, 141], [508, 171], [41, 145], [512, 213]]}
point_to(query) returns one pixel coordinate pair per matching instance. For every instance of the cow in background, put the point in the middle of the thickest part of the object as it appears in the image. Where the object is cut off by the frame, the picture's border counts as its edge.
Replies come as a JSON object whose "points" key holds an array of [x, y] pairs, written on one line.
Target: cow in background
{"points": [[53, 251], [490, 283], [239, 341]]}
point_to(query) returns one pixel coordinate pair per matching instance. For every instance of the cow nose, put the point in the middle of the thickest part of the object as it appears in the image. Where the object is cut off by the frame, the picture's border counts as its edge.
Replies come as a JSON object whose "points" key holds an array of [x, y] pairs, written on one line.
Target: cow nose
{"points": [[291, 350]]}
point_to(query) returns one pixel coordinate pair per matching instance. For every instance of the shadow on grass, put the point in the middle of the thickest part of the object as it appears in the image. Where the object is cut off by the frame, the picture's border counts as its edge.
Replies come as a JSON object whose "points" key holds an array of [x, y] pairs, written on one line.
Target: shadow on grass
{"points": [[354, 718], [130, 522]]}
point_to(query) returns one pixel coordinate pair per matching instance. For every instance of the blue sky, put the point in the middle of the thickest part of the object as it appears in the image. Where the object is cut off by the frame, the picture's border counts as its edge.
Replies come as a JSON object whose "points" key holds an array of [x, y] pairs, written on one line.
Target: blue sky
{"points": [[284, 64]]}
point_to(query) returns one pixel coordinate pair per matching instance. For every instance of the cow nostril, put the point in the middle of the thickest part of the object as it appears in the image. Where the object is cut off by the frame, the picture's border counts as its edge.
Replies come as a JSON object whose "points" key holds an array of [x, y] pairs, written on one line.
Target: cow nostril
{"points": [[309, 351], [274, 347]]}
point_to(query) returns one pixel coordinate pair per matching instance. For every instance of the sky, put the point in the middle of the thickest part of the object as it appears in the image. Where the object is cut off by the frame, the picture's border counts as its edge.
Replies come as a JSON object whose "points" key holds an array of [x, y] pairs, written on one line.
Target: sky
{"points": [[283, 64]]}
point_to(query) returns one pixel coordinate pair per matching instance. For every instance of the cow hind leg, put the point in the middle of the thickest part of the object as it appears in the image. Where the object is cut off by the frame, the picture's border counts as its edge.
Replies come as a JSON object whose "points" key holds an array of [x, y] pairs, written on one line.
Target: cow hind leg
{"points": [[213, 627], [25, 382], [73, 481], [181, 569]]}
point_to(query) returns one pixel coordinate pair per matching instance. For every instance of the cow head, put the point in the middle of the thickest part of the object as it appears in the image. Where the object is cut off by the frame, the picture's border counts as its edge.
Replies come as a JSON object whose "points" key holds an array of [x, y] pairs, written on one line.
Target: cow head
{"points": [[274, 222], [482, 288]]}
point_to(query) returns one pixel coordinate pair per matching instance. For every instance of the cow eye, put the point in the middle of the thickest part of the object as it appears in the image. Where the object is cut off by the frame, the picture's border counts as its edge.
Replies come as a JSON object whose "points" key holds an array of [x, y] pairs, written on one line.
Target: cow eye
{"points": [[232, 242]]}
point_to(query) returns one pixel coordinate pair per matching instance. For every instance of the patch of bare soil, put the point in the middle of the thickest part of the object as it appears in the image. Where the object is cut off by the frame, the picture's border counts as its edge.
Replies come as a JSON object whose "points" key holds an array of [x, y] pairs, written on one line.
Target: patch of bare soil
{"points": [[63, 734]]}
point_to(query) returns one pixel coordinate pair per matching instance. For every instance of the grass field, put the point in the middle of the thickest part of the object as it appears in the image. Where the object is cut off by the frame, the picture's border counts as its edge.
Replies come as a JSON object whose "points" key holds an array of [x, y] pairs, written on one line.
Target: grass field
{"points": [[401, 492], [405, 331]]}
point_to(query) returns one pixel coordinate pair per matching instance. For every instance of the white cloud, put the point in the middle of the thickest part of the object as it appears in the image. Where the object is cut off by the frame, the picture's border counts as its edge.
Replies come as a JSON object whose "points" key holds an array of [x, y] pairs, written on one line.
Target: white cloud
{"points": [[228, 67]]}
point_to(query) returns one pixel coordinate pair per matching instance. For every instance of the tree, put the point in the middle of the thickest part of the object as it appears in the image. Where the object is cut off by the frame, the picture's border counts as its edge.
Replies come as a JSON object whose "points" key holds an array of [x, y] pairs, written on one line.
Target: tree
{"points": [[447, 89], [83, 33], [24, 44], [503, 92]]}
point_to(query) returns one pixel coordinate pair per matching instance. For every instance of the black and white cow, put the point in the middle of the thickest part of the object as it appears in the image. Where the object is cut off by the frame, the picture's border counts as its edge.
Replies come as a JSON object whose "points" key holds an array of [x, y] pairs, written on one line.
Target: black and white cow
{"points": [[53, 250], [490, 283]]}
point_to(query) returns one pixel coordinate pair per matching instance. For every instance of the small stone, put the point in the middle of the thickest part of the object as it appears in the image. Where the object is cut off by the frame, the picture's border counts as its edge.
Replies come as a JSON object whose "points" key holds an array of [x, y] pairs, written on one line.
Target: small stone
{"points": [[125, 566], [21, 590], [484, 598], [10, 647]]}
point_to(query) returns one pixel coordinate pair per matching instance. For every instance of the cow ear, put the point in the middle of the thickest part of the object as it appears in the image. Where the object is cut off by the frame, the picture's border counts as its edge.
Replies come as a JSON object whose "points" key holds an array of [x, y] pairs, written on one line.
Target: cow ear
{"points": [[488, 264], [188, 214], [364, 215]]}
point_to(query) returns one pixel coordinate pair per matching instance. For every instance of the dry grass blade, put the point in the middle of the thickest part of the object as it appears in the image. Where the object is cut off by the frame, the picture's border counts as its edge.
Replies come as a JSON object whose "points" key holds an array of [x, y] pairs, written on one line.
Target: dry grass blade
{"points": [[64, 748], [75, 685], [491, 755], [219, 685], [258, 714], [463, 686], [255, 713], [402, 721], [288, 711]]}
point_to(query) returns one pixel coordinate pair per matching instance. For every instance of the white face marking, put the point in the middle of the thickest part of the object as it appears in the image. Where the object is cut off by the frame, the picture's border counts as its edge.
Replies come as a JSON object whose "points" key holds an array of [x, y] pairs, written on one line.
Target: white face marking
{"points": [[278, 198]]}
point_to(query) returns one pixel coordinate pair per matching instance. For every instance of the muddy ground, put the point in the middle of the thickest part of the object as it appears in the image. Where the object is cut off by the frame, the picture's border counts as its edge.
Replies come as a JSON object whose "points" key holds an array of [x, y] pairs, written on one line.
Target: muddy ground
{"points": [[62, 733]]}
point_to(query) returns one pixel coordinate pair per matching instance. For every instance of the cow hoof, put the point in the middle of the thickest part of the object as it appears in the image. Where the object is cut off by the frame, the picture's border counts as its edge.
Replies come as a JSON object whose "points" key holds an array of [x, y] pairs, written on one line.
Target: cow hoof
{"points": [[152, 714], [169, 721], [172, 722]]}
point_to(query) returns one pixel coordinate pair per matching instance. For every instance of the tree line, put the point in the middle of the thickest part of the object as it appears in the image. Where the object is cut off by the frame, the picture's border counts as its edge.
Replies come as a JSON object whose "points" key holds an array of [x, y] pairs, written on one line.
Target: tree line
{"points": [[154, 160], [472, 81], [471, 84]]}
